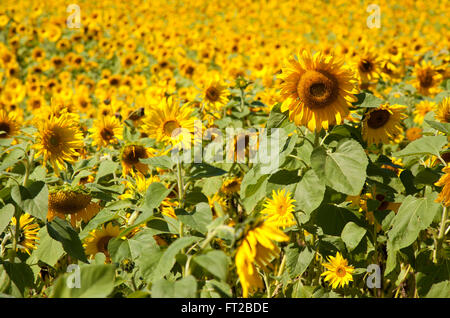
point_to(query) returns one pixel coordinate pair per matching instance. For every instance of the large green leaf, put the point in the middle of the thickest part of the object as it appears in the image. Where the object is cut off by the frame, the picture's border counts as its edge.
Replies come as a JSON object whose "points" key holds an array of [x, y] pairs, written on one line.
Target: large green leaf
{"points": [[20, 275], [214, 262], [95, 281], [33, 199], [298, 259], [367, 100], [163, 162], [156, 193], [427, 145], [183, 288], [6, 214], [106, 167], [197, 219], [414, 215], [352, 234], [62, 231], [168, 258], [48, 250], [309, 192], [343, 170]]}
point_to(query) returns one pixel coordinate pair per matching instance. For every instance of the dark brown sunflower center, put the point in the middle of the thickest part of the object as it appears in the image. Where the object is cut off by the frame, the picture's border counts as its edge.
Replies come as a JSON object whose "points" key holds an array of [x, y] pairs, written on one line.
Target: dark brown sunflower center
{"points": [[378, 118], [190, 70], [170, 126], [54, 139], [5, 129], [102, 244], [426, 79], [67, 202], [317, 89], [340, 271], [365, 66], [107, 134], [133, 154], [212, 94]]}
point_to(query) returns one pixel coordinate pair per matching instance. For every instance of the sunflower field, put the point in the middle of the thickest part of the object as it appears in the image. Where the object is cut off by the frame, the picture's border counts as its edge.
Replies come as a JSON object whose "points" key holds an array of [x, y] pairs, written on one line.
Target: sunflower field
{"points": [[224, 149]]}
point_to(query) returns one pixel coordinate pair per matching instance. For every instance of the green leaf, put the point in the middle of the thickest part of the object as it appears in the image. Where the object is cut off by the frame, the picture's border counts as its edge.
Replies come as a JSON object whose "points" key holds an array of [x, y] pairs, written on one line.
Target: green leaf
{"points": [[367, 100], [439, 290], [48, 250], [6, 214], [352, 234], [62, 231], [253, 188], [443, 127], [106, 167], [156, 193], [214, 262], [343, 170], [168, 258], [164, 162], [414, 215], [20, 274], [32, 199], [95, 281], [309, 192], [332, 219], [427, 145], [276, 117], [197, 219], [216, 289], [11, 158], [204, 170], [183, 288], [298, 260], [147, 262], [103, 216]]}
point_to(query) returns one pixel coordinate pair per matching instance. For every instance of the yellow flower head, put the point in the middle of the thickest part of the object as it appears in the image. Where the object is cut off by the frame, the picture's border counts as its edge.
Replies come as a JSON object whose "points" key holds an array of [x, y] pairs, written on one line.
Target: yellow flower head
{"points": [[279, 209], [339, 273], [317, 90], [28, 232]]}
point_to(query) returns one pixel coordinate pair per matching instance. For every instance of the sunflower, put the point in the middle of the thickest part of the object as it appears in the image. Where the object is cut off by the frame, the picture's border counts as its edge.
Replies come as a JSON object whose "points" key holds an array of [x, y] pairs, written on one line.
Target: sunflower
{"points": [[9, 125], [257, 248], [73, 201], [168, 208], [443, 111], [279, 209], [369, 66], [58, 140], [427, 78], [215, 95], [98, 240], [383, 123], [28, 232], [231, 186], [339, 273], [317, 90], [140, 186], [414, 133], [170, 123], [444, 182], [105, 131], [423, 108], [130, 156]]}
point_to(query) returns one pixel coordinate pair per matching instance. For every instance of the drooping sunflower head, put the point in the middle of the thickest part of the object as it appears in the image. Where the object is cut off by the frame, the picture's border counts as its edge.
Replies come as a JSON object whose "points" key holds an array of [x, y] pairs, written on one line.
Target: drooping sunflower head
{"points": [[443, 111], [383, 123], [9, 125], [172, 124], [231, 186], [73, 201], [423, 108], [257, 248], [317, 90], [98, 240], [427, 78], [106, 131], [59, 138], [279, 209], [130, 158], [338, 273], [28, 232]]}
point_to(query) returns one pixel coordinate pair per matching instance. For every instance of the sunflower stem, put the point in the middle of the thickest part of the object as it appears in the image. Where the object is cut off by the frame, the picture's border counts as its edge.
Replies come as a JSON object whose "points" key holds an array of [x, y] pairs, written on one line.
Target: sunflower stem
{"points": [[28, 167], [441, 235], [316, 139], [180, 194]]}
